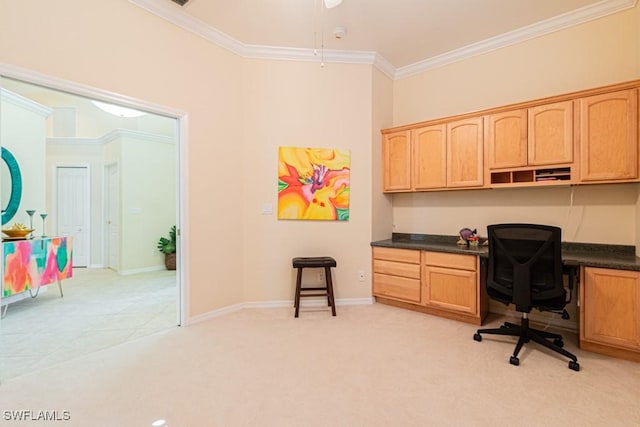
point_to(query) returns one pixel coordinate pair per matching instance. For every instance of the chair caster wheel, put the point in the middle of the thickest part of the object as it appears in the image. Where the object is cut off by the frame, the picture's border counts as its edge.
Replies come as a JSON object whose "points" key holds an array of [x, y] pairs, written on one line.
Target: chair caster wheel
{"points": [[514, 360], [558, 342], [477, 337], [574, 366]]}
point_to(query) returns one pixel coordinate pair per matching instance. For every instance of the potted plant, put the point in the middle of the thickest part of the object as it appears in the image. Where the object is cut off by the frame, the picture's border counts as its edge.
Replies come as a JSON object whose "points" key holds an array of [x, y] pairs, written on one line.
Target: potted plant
{"points": [[168, 248]]}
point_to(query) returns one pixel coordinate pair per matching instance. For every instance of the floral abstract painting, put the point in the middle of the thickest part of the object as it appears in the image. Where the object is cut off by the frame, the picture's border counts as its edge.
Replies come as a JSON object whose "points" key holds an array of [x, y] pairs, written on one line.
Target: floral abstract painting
{"points": [[313, 183]]}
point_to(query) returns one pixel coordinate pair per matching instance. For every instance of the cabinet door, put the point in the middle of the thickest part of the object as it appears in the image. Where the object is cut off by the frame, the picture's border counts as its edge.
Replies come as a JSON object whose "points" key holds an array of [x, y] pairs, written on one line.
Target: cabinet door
{"points": [[465, 153], [550, 131], [610, 304], [609, 136], [396, 161], [429, 157], [454, 290], [506, 139]]}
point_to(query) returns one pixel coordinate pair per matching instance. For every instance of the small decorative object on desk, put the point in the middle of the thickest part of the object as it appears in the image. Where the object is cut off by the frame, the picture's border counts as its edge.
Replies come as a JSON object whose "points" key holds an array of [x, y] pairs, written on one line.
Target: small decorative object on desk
{"points": [[468, 237], [17, 231]]}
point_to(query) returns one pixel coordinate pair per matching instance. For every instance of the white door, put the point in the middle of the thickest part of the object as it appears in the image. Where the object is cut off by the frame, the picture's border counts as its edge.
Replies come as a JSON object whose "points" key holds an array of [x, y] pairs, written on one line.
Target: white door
{"points": [[113, 216], [72, 213]]}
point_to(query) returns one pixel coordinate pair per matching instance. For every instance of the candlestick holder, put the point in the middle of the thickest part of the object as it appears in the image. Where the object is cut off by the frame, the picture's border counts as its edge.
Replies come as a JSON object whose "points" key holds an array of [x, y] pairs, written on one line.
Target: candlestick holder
{"points": [[43, 216], [30, 212]]}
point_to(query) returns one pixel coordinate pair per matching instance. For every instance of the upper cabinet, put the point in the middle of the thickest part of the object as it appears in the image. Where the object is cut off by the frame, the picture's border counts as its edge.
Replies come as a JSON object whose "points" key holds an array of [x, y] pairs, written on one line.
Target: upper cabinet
{"points": [[429, 169], [396, 161], [506, 139], [609, 136], [464, 153], [446, 155], [584, 137], [550, 134]]}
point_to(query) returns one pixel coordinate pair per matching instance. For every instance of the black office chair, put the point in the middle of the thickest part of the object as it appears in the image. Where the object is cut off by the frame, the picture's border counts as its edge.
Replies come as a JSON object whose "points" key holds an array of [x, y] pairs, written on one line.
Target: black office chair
{"points": [[525, 269]]}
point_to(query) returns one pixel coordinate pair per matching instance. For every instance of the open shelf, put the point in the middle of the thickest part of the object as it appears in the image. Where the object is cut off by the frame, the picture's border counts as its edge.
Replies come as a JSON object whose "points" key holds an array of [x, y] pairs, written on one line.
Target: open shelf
{"points": [[560, 175]]}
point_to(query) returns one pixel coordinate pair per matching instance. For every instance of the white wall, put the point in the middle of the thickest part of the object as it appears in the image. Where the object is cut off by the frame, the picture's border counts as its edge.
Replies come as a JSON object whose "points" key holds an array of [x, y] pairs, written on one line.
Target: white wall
{"points": [[302, 104], [382, 117], [147, 201], [23, 133], [593, 54]]}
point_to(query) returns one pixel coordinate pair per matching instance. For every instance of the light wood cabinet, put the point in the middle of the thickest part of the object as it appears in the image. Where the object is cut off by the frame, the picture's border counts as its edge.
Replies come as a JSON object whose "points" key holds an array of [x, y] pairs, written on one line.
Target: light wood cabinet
{"points": [[450, 282], [550, 134], [429, 169], [609, 136], [610, 312], [396, 161], [506, 139], [465, 153], [584, 137], [396, 274]]}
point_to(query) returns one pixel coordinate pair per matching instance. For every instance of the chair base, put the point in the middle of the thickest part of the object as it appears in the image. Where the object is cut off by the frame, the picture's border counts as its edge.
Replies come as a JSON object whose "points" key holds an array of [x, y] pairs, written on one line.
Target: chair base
{"points": [[525, 334]]}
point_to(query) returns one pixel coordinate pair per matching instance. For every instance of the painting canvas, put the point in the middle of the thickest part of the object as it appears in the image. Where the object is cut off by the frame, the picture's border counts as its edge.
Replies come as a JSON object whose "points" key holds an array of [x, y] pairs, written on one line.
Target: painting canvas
{"points": [[313, 183]]}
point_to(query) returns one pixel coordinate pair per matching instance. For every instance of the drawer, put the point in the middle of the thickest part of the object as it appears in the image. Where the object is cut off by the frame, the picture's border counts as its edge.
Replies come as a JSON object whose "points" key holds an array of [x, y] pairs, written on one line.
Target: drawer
{"points": [[396, 287], [401, 255], [394, 268], [456, 261]]}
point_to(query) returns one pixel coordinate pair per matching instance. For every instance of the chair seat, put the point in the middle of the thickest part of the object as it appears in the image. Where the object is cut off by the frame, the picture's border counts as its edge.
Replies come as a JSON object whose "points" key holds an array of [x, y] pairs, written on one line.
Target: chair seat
{"points": [[314, 262]]}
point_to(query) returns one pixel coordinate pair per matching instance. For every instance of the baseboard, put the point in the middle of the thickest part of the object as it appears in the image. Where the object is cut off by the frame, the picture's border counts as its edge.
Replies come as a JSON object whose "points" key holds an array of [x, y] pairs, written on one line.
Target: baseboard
{"points": [[141, 270], [96, 266], [215, 313], [306, 302]]}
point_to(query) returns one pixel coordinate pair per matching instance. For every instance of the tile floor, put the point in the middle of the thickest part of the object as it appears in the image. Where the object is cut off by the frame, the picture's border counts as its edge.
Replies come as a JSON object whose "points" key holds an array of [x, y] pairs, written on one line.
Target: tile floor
{"points": [[99, 309]]}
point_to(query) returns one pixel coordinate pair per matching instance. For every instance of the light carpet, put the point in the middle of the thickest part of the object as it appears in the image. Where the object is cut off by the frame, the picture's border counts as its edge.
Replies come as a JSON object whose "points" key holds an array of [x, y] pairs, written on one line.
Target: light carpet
{"points": [[369, 366]]}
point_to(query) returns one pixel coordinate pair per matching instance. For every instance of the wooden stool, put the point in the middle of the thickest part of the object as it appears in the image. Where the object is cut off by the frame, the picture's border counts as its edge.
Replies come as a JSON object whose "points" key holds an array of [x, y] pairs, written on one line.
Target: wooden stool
{"points": [[315, 262]]}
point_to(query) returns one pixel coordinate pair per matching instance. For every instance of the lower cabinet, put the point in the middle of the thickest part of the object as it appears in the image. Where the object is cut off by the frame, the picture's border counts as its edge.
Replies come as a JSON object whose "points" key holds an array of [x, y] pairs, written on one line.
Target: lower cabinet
{"points": [[610, 312], [444, 284], [396, 274], [450, 282]]}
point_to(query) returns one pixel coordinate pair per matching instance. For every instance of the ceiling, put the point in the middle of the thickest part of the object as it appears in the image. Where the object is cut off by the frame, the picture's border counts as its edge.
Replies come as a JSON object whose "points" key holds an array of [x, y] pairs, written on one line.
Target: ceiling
{"points": [[404, 32]]}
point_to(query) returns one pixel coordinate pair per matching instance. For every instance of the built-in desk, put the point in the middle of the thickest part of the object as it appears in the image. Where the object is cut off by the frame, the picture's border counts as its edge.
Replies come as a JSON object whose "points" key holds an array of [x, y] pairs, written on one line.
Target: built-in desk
{"points": [[453, 287], [32, 263]]}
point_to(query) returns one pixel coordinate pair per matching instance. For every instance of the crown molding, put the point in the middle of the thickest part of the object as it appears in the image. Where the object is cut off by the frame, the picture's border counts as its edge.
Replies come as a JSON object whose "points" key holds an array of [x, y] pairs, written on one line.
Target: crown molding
{"points": [[557, 23], [173, 14], [110, 136], [25, 103]]}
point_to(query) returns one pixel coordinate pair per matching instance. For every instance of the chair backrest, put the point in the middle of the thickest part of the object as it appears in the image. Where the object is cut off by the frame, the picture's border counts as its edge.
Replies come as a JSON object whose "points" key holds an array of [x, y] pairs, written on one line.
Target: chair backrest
{"points": [[525, 264]]}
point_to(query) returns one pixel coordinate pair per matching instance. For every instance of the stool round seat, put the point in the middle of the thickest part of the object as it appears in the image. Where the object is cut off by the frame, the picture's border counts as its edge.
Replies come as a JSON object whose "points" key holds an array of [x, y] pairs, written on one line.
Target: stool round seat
{"points": [[324, 262], [314, 262]]}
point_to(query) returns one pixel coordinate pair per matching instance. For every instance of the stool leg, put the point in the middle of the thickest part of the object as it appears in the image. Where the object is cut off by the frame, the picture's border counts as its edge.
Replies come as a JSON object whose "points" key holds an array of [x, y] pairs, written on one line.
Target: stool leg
{"points": [[296, 300], [332, 302]]}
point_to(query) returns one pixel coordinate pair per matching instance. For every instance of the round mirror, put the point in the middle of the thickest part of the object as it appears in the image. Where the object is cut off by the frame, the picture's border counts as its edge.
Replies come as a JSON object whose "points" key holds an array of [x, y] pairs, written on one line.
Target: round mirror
{"points": [[13, 186]]}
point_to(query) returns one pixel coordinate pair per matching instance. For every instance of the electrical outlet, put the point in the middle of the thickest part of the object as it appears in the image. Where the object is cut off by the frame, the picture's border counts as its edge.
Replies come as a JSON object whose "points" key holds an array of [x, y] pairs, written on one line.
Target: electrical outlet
{"points": [[321, 276], [361, 276]]}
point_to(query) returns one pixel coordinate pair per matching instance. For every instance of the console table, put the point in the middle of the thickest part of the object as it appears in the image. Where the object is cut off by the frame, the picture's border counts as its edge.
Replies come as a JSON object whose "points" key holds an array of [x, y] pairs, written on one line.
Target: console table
{"points": [[32, 263]]}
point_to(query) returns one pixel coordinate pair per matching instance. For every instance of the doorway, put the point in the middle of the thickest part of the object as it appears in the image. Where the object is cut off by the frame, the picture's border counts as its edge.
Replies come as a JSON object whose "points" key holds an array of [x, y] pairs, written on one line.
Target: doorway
{"points": [[84, 177]]}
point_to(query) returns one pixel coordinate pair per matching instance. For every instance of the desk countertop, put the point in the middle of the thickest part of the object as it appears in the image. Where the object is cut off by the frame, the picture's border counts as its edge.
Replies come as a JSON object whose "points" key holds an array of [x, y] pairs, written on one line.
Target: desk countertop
{"points": [[588, 254]]}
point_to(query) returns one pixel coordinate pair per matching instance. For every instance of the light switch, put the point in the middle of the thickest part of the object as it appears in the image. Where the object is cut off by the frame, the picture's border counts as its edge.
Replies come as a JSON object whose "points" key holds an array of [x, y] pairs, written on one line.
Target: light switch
{"points": [[267, 209]]}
